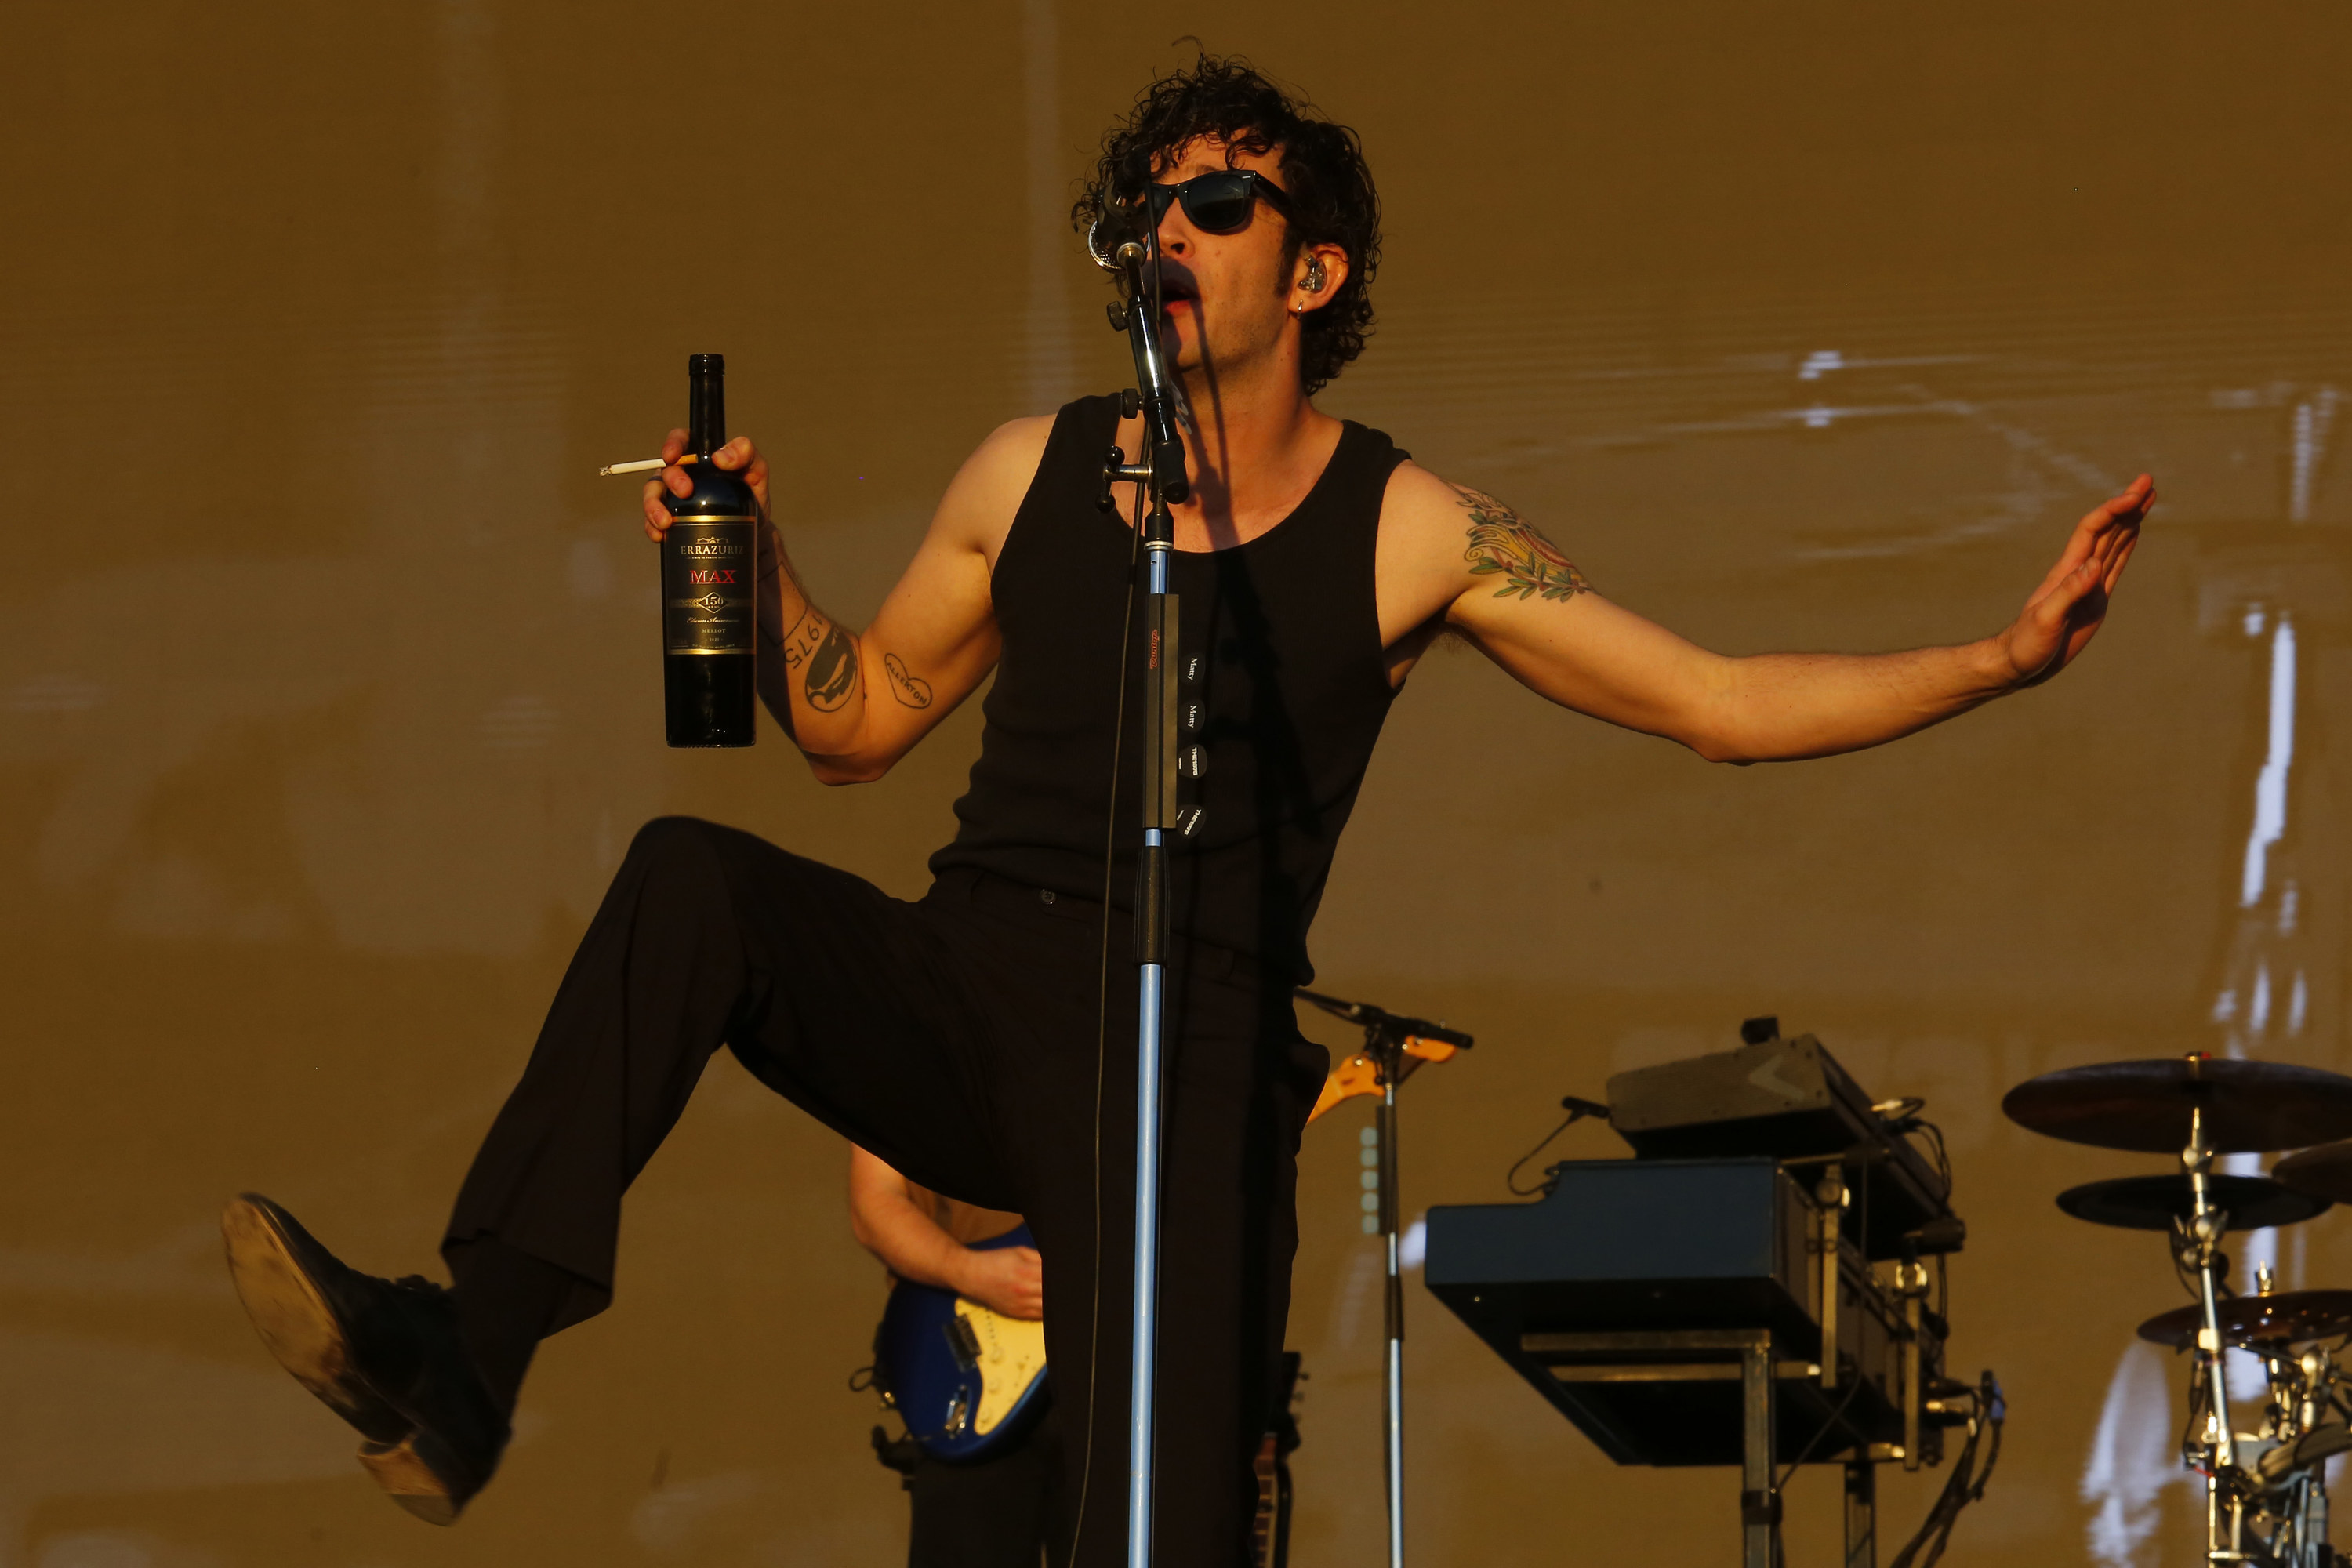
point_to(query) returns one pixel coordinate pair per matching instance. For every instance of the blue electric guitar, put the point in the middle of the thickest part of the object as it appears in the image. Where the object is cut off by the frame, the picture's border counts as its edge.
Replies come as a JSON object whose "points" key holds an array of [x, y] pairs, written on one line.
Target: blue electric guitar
{"points": [[967, 1381]]}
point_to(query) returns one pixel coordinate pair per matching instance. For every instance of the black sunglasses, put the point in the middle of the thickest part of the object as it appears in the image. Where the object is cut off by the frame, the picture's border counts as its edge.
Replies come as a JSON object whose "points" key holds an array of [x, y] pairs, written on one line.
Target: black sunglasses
{"points": [[1219, 203]]}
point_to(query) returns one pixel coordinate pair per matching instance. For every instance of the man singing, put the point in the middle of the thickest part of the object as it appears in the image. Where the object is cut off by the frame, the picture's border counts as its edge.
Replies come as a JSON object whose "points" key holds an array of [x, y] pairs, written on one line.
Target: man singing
{"points": [[977, 1039]]}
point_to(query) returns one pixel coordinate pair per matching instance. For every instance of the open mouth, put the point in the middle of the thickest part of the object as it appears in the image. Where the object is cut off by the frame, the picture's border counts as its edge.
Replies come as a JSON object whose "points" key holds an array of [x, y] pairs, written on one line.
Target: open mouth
{"points": [[1176, 288]]}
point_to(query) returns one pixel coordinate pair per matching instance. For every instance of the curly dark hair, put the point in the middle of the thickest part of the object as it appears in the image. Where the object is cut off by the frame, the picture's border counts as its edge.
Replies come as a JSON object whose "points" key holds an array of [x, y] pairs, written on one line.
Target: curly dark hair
{"points": [[1323, 173]]}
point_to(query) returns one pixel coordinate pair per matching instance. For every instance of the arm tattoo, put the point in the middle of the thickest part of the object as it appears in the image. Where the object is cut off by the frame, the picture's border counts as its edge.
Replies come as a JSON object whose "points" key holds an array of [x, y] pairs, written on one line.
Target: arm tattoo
{"points": [[907, 687], [831, 656], [806, 637], [1530, 563], [832, 671]]}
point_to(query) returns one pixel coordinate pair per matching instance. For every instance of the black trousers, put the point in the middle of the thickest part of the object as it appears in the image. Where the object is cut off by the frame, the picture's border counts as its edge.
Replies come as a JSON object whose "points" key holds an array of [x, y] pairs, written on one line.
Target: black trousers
{"points": [[957, 1039], [1009, 1510]]}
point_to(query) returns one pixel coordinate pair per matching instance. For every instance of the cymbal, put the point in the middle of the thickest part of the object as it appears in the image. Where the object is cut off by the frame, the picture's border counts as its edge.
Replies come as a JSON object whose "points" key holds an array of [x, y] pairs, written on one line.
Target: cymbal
{"points": [[2153, 1202], [2145, 1105], [2289, 1318], [2324, 1173]]}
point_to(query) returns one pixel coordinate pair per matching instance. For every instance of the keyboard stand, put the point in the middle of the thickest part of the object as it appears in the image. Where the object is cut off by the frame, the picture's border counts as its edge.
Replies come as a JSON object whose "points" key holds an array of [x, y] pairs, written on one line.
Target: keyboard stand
{"points": [[1696, 1355]]}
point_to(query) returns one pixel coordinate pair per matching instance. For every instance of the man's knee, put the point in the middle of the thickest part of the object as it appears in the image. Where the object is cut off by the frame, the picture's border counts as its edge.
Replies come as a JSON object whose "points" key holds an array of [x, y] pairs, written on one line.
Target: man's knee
{"points": [[677, 857], [670, 840]]}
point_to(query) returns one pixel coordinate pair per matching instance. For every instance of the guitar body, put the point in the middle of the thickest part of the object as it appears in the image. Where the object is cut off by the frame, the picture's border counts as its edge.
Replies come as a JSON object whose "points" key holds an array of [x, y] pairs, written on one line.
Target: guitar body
{"points": [[967, 1381]]}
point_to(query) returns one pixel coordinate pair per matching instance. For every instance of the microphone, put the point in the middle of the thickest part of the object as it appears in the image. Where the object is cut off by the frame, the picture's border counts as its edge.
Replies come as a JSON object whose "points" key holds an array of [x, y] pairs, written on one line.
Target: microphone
{"points": [[1396, 1024], [1158, 401]]}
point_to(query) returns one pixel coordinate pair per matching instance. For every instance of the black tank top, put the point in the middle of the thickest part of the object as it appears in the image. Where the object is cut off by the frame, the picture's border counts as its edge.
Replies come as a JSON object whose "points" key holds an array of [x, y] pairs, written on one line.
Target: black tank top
{"points": [[1295, 686]]}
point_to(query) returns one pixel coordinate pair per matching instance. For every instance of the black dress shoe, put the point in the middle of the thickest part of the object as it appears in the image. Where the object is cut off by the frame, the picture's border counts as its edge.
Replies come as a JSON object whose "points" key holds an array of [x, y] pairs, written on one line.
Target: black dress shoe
{"points": [[384, 1354]]}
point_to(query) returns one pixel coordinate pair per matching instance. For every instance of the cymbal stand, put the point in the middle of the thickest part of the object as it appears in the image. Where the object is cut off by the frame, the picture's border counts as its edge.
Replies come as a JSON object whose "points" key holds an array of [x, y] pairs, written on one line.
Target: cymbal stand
{"points": [[2198, 1243]]}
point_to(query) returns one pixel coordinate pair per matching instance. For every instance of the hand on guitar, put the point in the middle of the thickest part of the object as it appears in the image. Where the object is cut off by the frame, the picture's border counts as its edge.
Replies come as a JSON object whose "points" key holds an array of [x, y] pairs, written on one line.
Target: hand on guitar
{"points": [[1007, 1279]]}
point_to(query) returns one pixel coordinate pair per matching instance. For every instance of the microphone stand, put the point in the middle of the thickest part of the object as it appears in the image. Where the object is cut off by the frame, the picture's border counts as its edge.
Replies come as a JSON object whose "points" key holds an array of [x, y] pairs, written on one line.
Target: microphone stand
{"points": [[1161, 478], [1385, 1035]]}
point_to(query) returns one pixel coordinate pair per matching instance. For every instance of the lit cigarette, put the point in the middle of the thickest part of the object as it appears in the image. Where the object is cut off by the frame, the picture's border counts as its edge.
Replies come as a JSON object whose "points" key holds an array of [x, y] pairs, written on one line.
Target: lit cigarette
{"points": [[643, 466]]}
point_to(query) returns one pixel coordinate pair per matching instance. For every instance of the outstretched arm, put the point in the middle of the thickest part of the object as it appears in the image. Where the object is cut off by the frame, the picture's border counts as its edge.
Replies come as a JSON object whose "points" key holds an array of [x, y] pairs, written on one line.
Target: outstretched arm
{"points": [[855, 702], [1524, 605]]}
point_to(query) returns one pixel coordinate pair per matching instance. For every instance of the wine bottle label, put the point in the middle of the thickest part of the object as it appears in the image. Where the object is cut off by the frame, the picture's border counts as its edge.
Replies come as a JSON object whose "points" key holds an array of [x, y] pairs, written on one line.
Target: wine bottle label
{"points": [[709, 565]]}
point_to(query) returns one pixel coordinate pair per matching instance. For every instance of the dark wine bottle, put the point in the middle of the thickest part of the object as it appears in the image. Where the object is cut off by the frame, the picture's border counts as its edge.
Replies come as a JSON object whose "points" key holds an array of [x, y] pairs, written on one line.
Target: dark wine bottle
{"points": [[710, 567]]}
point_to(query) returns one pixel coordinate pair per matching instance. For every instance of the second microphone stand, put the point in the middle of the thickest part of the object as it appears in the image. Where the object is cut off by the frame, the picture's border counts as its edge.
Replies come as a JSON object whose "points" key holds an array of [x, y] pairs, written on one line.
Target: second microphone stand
{"points": [[1394, 1045]]}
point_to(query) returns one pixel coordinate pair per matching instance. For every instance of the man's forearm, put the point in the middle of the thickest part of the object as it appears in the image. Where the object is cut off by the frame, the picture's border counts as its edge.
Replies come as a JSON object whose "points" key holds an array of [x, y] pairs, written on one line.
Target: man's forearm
{"points": [[808, 666], [909, 1242], [1781, 707], [933, 1259]]}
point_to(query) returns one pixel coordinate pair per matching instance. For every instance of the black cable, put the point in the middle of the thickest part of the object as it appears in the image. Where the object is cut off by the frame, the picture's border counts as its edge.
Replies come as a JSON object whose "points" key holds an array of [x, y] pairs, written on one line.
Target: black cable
{"points": [[1968, 1481], [1510, 1177], [1102, 1018], [1578, 1110], [1936, 1135], [1936, 1531]]}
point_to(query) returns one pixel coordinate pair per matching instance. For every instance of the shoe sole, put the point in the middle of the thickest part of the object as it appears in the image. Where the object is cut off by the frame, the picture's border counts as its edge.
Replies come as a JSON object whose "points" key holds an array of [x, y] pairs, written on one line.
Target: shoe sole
{"points": [[288, 1312], [308, 1338], [408, 1473]]}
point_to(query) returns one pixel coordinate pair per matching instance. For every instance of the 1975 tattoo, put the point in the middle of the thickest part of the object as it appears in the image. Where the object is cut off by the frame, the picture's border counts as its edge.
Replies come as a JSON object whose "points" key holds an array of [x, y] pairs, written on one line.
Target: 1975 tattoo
{"points": [[1500, 541], [806, 635]]}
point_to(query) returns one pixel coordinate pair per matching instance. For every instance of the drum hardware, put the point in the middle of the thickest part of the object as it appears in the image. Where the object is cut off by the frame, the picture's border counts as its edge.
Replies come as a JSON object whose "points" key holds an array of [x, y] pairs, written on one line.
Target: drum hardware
{"points": [[2266, 1495]]}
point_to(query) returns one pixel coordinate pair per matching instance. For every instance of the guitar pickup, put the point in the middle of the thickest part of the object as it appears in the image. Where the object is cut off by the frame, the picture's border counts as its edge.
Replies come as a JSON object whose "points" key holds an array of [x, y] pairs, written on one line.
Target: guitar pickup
{"points": [[962, 1343]]}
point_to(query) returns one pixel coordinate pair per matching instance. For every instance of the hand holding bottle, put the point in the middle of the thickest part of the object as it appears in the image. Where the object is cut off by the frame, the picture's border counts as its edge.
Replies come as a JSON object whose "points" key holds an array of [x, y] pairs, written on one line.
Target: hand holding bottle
{"points": [[738, 455]]}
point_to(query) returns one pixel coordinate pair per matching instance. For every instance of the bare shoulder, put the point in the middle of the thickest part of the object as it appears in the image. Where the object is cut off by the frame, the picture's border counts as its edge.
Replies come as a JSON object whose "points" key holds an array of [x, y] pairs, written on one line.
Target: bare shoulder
{"points": [[1416, 498], [978, 510], [1020, 441], [1444, 544]]}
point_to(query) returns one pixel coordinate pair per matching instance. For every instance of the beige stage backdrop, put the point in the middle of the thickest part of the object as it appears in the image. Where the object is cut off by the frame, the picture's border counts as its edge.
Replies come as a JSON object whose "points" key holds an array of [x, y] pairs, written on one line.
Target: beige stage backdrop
{"points": [[329, 685]]}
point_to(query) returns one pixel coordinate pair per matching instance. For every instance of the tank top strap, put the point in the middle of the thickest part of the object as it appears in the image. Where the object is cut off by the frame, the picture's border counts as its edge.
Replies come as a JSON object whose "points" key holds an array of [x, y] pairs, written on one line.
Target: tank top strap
{"points": [[1363, 464]]}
